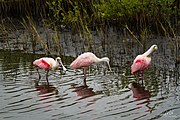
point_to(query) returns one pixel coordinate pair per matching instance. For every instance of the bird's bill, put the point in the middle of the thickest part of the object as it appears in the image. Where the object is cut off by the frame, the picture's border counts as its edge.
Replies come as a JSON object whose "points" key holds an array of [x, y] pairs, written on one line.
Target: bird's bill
{"points": [[109, 66], [64, 69]]}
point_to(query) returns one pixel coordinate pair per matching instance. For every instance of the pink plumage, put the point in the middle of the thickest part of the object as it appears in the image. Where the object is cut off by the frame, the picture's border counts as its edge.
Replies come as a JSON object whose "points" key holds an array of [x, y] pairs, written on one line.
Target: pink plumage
{"points": [[41, 64], [143, 61], [47, 64], [85, 60], [140, 64]]}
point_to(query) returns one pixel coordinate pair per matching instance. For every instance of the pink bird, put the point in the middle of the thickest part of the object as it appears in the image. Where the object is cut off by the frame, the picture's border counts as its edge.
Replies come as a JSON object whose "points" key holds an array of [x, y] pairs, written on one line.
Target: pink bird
{"points": [[142, 62], [85, 60], [48, 64]]}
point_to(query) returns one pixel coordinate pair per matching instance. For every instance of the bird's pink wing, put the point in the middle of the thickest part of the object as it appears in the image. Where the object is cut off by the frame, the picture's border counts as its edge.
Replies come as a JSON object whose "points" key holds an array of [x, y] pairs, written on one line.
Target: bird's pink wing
{"points": [[140, 64], [136, 66], [81, 61], [147, 62], [41, 64]]}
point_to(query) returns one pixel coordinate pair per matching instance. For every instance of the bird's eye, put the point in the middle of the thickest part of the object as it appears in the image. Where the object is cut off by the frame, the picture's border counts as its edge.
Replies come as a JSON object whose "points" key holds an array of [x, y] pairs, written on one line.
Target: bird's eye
{"points": [[155, 47]]}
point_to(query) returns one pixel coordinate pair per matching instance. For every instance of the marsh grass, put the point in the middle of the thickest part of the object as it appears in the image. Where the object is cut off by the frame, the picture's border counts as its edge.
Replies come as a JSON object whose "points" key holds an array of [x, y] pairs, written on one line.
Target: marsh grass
{"points": [[140, 18], [30, 25], [6, 33], [170, 33]]}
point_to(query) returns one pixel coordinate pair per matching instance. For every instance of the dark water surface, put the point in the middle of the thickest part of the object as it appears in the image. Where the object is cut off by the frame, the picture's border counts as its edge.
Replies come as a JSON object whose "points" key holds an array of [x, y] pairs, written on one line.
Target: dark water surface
{"points": [[109, 96]]}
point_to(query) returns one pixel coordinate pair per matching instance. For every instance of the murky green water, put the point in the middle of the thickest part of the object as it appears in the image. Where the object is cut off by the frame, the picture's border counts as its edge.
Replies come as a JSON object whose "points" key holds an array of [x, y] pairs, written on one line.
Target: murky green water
{"points": [[108, 96]]}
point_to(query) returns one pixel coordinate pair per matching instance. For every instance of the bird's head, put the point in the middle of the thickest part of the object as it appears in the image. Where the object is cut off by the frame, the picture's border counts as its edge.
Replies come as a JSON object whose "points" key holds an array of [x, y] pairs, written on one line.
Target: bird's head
{"points": [[150, 50], [106, 59], [58, 59], [154, 47]]}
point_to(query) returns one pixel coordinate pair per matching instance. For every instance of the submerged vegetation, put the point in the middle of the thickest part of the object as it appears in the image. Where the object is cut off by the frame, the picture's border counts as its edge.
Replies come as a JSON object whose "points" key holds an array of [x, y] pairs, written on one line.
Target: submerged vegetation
{"points": [[139, 18]]}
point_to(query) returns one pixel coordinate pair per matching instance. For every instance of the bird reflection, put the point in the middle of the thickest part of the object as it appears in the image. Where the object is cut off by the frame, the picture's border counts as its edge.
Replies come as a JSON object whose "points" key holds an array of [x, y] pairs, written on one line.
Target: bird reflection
{"points": [[139, 91], [46, 88], [45, 93], [83, 91]]}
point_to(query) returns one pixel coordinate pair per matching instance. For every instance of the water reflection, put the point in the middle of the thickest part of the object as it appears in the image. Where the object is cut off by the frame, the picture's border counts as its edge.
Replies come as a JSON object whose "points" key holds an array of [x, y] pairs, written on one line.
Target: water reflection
{"points": [[107, 96], [83, 92], [142, 95], [139, 92], [177, 73], [45, 89]]}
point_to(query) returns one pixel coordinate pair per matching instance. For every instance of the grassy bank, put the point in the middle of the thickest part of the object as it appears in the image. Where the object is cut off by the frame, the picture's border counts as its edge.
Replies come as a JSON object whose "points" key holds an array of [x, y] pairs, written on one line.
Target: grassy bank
{"points": [[138, 18], [138, 15]]}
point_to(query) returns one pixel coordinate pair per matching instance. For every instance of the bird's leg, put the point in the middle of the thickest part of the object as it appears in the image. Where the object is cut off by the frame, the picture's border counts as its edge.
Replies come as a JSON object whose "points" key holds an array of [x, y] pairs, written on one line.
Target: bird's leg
{"points": [[85, 76], [142, 77], [47, 77], [39, 76], [137, 77]]}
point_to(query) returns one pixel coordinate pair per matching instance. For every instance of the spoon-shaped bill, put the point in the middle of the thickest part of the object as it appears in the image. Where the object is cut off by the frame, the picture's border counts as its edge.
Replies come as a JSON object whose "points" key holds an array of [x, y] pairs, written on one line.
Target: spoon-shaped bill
{"points": [[64, 69], [109, 66]]}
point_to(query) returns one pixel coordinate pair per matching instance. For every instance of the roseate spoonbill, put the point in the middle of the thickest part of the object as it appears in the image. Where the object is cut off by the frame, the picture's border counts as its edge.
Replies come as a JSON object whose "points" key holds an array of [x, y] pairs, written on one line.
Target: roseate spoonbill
{"points": [[85, 60], [47, 64], [141, 62]]}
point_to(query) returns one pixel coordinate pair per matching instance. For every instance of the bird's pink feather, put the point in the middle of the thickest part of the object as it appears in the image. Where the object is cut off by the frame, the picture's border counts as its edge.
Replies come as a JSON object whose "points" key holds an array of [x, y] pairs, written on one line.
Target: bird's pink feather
{"points": [[81, 61], [42, 64], [140, 64]]}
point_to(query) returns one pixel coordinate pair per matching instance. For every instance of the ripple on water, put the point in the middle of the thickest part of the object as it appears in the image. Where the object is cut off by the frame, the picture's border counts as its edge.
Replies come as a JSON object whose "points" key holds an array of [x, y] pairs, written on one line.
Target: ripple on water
{"points": [[106, 97]]}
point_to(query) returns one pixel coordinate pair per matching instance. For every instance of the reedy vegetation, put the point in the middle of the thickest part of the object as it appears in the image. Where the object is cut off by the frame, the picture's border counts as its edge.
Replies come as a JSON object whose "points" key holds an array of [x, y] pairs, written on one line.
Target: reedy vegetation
{"points": [[138, 17]]}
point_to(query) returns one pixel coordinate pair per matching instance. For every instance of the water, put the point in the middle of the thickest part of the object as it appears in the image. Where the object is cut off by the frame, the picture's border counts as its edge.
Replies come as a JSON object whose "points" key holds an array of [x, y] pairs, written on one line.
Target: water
{"points": [[108, 96]]}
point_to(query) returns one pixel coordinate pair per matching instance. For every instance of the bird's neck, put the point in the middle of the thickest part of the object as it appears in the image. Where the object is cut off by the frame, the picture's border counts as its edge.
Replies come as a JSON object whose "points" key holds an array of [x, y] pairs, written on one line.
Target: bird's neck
{"points": [[102, 59], [148, 52], [56, 64]]}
